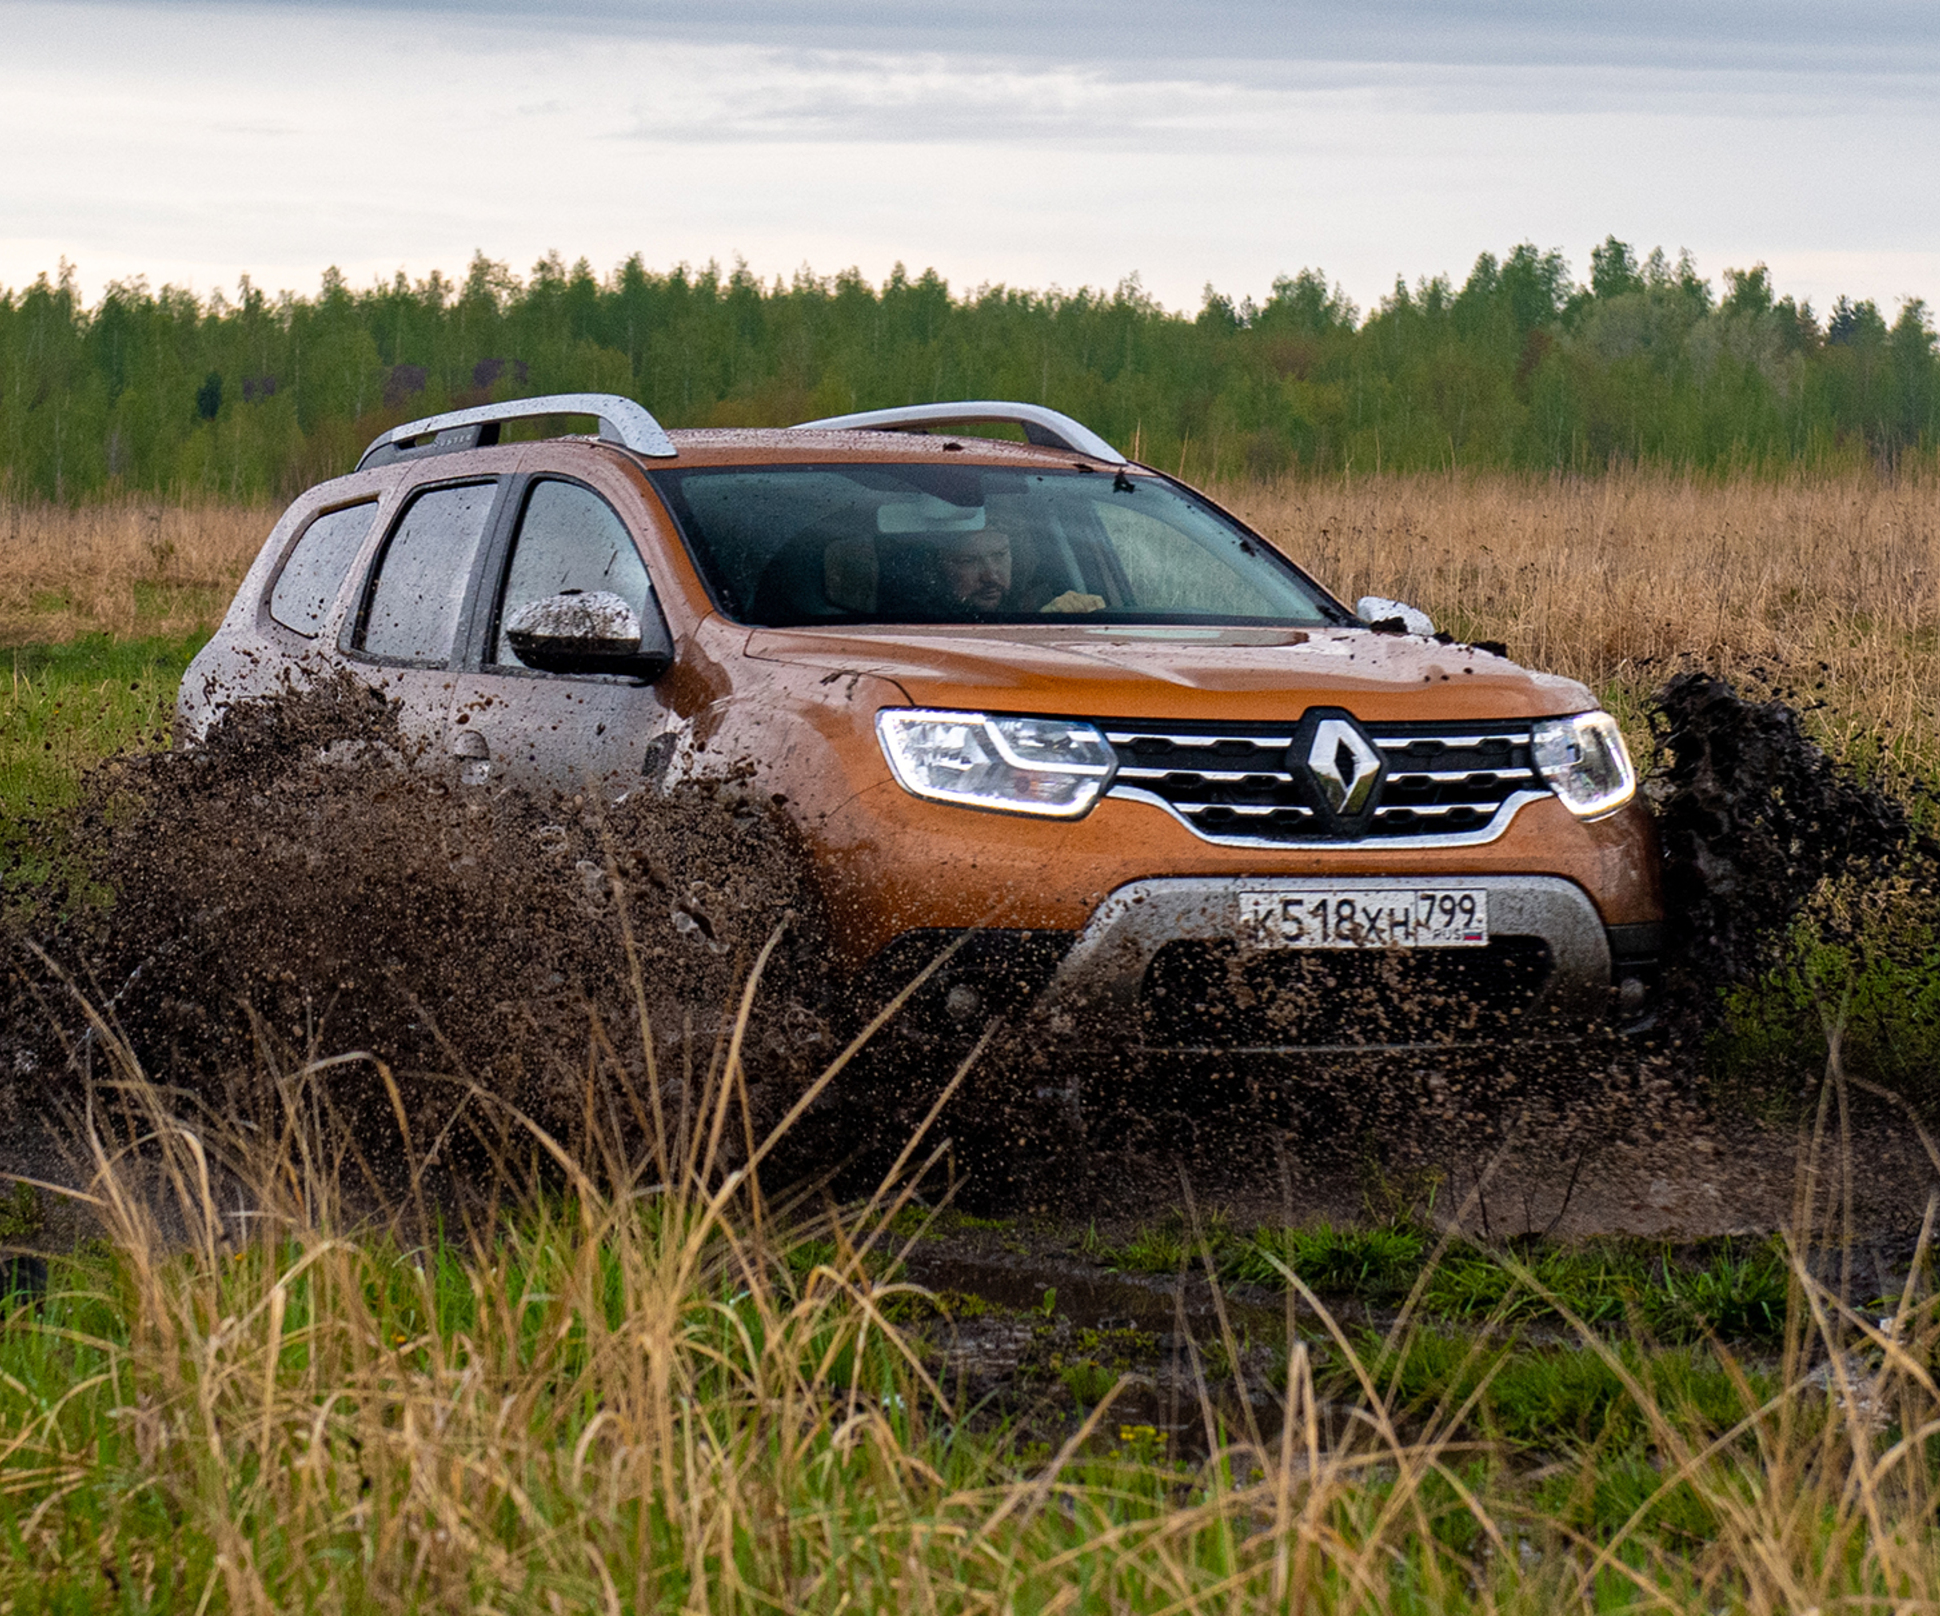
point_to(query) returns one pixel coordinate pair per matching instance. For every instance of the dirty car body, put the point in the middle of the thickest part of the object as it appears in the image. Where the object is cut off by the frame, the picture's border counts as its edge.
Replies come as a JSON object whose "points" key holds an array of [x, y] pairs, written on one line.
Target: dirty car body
{"points": [[1161, 789]]}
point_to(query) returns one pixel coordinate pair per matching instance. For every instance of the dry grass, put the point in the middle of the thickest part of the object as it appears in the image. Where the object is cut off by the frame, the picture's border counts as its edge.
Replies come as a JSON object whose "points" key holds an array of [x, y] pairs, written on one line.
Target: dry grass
{"points": [[132, 566], [647, 1391], [1830, 585]]}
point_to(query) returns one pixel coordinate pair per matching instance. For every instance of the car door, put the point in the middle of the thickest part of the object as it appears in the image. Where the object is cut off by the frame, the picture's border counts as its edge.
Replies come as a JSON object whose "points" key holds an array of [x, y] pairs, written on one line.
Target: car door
{"points": [[515, 725], [417, 599]]}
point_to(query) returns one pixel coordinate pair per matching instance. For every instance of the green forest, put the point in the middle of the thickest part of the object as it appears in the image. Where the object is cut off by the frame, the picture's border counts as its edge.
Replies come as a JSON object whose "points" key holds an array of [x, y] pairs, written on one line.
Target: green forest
{"points": [[1519, 367]]}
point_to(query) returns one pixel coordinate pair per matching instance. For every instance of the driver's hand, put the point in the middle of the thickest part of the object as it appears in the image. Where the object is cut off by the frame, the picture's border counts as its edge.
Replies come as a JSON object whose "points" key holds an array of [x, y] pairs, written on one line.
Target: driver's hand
{"points": [[1074, 600]]}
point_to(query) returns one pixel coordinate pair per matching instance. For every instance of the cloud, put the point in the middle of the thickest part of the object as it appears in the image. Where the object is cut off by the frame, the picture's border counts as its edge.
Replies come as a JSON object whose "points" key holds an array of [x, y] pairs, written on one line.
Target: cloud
{"points": [[1068, 143], [1262, 37], [736, 94], [700, 94]]}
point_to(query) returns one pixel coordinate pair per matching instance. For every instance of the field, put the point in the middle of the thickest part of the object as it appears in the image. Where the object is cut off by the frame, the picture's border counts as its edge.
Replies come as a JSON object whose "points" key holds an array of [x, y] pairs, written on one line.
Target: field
{"points": [[648, 1388], [1829, 588], [101, 608], [609, 1385], [1826, 586]]}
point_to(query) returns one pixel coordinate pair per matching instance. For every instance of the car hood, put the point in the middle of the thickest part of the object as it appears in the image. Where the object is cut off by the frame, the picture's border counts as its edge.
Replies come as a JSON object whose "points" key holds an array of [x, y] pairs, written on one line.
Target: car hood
{"points": [[1235, 674]]}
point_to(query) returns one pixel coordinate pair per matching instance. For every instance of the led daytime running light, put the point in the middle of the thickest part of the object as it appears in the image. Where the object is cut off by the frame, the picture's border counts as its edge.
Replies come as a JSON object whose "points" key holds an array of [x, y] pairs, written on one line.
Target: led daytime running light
{"points": [[1585, 762], [1052, 767]]}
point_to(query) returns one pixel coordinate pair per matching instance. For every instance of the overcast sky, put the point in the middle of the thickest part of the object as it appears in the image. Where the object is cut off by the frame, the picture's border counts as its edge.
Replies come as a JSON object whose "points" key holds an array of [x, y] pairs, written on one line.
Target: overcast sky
{"points": [[1032, 142]]}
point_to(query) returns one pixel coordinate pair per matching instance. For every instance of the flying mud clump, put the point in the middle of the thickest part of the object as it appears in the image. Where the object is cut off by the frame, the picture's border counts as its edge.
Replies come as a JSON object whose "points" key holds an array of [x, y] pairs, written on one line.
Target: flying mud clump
{"points": [[295, 889], [1755, 821]]}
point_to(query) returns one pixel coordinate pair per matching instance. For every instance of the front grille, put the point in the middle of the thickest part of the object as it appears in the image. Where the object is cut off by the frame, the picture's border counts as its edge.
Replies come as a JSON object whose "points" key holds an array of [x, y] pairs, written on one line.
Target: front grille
{"points": [[1221, 995], [1242, 783]]}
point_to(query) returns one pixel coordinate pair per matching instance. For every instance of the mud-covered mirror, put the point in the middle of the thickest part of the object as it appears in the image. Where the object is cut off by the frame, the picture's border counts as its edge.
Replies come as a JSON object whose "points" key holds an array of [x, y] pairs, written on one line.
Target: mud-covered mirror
{"points": [[588, 631], [1384, 613]]}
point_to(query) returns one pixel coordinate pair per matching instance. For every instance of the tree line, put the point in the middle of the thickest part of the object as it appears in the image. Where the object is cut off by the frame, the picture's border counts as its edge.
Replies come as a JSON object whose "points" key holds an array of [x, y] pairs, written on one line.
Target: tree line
{"points": [[1518, 367]]}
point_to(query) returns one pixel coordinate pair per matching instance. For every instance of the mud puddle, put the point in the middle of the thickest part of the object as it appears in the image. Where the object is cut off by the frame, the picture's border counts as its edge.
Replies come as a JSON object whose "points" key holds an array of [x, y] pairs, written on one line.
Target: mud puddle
{"points": [[1038, 1322], [1036, 1333], [1089, 1297]]}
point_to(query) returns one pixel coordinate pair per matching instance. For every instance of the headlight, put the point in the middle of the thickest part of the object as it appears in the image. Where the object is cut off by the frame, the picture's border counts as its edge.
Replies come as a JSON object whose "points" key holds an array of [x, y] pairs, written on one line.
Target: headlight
{"points": [[1020, 765], [1584, 760]]}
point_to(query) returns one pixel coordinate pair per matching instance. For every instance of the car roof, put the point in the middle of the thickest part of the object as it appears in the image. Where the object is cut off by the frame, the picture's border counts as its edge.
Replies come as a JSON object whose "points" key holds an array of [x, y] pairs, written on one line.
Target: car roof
{"points": [[903, 433], [732, 446]]}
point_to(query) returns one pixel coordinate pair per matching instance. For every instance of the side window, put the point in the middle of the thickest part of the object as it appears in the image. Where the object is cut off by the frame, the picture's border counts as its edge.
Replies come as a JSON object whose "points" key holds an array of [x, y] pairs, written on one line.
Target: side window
{"points": [[568, 539], [417, 589], [307, 586]]}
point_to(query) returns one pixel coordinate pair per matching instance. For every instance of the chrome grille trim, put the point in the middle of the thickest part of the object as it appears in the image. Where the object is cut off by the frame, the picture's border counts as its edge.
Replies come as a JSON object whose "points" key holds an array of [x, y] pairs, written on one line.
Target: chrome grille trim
{"points": [[1480, 836], [1400, 743], [1429, 810], [1266, 743], [1196, 774], [1279, 777], [1246, 810]]}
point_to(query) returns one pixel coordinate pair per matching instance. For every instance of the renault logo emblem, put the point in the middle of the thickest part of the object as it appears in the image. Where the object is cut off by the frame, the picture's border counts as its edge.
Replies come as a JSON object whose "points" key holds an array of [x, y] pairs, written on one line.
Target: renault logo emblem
{"points": [[1343, 765]]}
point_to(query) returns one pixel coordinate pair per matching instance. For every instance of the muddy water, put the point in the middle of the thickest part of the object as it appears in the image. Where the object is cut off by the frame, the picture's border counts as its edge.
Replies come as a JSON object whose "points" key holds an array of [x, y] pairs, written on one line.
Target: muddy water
{"points": [[1048, 1334], [297, 888]]}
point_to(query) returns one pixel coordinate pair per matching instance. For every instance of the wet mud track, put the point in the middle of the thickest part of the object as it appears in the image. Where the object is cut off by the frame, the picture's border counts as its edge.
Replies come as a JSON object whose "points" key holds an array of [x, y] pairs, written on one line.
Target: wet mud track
{"points": [[1048, 1334], [1730, 1177]]}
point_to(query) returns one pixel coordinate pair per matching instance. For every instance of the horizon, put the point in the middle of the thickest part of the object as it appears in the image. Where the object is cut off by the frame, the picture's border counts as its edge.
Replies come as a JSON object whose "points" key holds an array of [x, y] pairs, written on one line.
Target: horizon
{"points": [[217, 300]]}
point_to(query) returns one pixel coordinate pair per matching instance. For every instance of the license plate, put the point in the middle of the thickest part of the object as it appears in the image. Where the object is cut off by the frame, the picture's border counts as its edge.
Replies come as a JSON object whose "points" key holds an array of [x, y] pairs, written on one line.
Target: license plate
{"points": [[1366, 917]]}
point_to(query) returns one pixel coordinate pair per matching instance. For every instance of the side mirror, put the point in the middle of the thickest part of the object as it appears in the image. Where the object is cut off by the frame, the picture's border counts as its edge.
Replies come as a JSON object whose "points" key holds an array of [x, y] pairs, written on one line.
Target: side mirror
{"points": [[580, 632], [1383, 613]]}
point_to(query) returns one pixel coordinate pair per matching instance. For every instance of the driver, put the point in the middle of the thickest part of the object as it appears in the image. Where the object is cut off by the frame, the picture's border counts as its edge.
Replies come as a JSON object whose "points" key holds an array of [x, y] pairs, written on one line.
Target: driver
{"points": [[974, 569], [969, 575]]}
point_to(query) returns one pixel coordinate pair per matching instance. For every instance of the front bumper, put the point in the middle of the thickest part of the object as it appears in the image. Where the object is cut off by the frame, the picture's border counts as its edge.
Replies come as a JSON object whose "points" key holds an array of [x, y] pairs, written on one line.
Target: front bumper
{"points": [[1160, 964], [891, 863]]}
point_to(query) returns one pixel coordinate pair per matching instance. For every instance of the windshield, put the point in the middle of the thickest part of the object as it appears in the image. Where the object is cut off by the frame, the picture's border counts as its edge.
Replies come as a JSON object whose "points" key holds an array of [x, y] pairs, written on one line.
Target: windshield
{"points": [[785, 546]]}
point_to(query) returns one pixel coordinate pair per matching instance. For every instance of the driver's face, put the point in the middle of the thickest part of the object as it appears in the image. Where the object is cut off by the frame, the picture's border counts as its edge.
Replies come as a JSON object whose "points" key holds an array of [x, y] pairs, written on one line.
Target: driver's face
{"points": [[977, 571]]}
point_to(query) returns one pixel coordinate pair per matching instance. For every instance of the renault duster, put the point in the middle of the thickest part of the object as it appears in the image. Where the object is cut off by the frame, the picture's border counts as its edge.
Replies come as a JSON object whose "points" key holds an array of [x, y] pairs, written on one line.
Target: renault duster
{"points": [[1160, 786]]}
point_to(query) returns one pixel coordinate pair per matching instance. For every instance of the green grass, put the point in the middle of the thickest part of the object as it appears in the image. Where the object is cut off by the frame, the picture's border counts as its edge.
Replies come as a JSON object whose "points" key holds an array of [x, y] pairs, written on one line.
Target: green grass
{"points": [[1156, 1250], [1561, 1399], [1734, 1289], [65, 707], [1882, 993], [644, 1389], [1375, 1263], [624, 1391]]}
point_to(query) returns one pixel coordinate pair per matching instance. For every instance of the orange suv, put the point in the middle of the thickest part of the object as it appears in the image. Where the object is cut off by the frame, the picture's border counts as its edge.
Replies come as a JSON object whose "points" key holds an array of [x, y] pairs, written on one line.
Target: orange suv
{"points": [[1162, 788]]}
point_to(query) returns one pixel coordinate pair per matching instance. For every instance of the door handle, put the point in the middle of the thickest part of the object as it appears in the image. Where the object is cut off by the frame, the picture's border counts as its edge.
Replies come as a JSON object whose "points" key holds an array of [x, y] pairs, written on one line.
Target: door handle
{"points": [[474, 754]]}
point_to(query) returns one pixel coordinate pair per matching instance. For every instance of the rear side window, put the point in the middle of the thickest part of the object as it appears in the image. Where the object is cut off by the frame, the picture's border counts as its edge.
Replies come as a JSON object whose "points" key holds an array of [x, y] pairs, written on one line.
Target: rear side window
{"points": [[569, 539], [307, 586], [417, 590]]}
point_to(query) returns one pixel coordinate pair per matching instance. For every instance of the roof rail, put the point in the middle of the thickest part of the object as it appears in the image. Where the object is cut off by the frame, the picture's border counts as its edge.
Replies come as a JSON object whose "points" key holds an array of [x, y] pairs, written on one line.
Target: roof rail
{"points": [[1049, 429], [621, 421]]}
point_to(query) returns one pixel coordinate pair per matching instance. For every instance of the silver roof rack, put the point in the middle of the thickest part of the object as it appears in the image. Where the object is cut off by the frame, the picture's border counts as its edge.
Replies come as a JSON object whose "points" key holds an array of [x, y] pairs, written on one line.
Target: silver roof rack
{"points": [[1049, 429], [621, 421]]}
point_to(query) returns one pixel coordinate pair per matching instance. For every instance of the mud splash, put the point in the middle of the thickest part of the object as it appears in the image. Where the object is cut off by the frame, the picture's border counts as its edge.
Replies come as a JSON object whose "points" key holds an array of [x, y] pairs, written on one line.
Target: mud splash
{"points": [[296, 889], [1756, 820]]}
